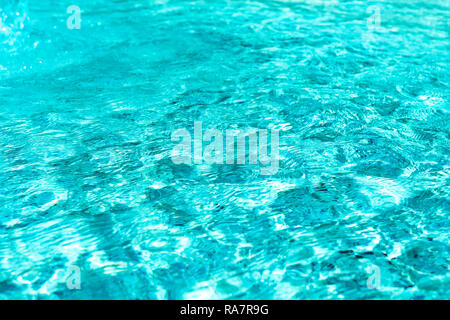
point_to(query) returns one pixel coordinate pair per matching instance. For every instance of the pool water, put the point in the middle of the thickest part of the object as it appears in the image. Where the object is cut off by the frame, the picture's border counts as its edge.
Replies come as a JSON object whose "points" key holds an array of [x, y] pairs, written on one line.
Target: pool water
{"points": [[93, 207]]}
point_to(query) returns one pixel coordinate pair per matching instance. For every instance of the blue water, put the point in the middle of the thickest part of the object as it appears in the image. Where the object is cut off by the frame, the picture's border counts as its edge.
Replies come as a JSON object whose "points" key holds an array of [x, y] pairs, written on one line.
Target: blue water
{"points": [[359, 208]]}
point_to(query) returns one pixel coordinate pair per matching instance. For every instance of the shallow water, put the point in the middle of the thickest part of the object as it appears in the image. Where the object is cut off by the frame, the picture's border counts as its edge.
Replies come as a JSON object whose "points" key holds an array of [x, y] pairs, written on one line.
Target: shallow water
{"points": [[87, 182]]}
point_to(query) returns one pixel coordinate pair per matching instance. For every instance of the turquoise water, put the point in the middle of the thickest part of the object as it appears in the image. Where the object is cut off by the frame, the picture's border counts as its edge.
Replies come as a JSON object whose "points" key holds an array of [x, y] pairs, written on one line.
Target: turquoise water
{"points": [[89, 195]]}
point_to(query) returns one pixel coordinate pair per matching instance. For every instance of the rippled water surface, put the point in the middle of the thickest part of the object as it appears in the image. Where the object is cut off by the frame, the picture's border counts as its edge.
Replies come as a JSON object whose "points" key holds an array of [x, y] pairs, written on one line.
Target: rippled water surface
{"points": [[358, 89]]}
